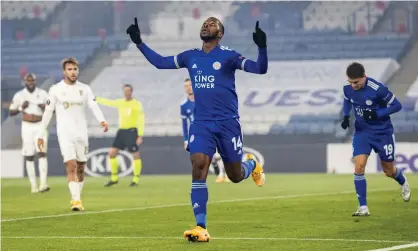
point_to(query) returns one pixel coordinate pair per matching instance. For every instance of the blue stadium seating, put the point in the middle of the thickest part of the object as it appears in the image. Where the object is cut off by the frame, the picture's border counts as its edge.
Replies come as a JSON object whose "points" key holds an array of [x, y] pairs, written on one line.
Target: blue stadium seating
{"points": [[44, 56], [405, 121], [324, 45], [312, 124], [117, 43], [281, 15], [28, 17]]}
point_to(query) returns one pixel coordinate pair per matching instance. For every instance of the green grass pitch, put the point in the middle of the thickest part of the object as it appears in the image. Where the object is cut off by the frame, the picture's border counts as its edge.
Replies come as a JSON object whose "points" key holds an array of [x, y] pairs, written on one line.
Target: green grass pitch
{"points": [[291, 212]]}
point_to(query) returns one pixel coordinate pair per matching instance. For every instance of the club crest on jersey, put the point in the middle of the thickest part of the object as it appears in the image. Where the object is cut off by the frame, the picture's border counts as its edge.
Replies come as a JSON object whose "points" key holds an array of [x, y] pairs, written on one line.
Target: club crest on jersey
{"points": [[81, 92], [216, 65], [66, 105], [369, 102]]}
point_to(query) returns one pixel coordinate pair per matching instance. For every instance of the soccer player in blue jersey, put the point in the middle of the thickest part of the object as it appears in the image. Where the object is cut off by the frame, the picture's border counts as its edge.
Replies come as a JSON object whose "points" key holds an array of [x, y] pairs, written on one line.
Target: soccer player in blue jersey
{"points": [[186, 111], [216, 121], [373, 104]]}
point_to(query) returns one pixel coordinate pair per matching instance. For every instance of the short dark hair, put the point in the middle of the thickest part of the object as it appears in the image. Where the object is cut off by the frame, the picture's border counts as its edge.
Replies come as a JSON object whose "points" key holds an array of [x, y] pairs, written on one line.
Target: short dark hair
{"points": [[221, 27], [130, 86], [355, 70], [187, 79], [220, 24]]}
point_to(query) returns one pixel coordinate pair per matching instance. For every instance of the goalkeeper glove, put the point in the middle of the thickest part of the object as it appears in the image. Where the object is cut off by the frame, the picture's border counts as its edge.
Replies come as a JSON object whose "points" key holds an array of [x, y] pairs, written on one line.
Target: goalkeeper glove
{"points": [[346, 122], [259, 37], [369, 115], [134, 32]]}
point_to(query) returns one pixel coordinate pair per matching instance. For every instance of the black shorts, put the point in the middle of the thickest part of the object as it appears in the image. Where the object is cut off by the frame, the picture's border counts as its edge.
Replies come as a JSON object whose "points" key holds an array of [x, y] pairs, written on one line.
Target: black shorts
{"points": [[126, 140]]}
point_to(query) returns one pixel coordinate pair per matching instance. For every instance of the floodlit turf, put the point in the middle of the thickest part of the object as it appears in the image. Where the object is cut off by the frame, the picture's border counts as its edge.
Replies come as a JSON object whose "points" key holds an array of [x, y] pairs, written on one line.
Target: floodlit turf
{"points": [[291, 212]]}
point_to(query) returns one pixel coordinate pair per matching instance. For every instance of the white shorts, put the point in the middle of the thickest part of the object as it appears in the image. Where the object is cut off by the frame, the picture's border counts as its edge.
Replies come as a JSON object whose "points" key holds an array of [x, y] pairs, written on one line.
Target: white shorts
{"points": [[30, 141], [73, 149]]}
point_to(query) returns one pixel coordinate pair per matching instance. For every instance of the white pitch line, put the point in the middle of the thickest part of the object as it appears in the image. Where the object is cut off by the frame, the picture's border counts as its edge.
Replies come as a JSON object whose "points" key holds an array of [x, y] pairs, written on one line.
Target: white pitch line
{"points": [[216, 238], [187, 204], [415, 244]]}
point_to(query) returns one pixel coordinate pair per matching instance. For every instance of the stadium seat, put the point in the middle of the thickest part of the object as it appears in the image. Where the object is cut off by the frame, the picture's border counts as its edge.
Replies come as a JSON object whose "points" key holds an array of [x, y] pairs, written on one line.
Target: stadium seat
{"points": [[331, 15], [44, 56]]}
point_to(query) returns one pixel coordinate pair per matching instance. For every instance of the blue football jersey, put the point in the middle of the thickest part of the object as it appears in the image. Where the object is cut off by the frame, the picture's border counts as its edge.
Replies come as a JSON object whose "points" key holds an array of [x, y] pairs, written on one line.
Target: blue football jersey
{"points": [[213, 80], [212, 75], [186, 111], [373, 96]]}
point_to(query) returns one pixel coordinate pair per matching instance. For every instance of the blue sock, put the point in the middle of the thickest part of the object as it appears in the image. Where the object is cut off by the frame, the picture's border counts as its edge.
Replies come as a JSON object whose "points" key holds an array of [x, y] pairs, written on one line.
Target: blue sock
{"points": [[361, 188], [199, 197], [399, 177], [247, 167]]}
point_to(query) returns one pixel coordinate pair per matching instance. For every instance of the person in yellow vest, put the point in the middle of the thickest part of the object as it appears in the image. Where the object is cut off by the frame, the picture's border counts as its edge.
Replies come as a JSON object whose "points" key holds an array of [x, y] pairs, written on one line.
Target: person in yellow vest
{"points": [[129, 135]]}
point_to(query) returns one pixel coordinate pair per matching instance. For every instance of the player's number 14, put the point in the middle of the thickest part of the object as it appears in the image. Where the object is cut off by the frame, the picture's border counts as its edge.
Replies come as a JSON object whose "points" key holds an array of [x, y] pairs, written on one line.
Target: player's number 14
{"points": [[237, 142]]}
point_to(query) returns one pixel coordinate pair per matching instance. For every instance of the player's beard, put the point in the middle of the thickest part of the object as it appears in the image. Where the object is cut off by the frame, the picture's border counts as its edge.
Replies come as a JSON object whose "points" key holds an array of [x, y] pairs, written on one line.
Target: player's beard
{"points": [[30, 89], [70, 79], [209, 37]]}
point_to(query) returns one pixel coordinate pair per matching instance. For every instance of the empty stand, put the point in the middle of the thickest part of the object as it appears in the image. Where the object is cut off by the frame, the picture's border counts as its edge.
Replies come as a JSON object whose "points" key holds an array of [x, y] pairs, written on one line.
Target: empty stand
{"points": [[347, 15], [27, 9], [411, 100], [25, 19], [413, 89], [44, 56], [273, 16]]}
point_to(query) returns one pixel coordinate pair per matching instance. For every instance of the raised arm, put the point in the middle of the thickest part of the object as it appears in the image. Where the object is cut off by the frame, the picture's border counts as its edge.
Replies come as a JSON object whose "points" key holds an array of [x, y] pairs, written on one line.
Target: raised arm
{"points": [[258, 67], [107, 102], [393, 105], [157, 60], [154, 58], [261, 65]]}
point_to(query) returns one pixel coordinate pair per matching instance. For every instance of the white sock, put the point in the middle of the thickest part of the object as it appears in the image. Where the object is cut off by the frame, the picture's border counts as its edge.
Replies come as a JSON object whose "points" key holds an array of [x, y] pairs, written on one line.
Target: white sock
{"points": [[30, 169], [74, 190], [80, 185], [43, 172], [221, 169]]}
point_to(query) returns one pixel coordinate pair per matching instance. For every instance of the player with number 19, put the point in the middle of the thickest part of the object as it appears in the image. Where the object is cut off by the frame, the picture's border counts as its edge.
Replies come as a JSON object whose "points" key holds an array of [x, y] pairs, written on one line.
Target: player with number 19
{"points": [[373, 104], [216, 121]]}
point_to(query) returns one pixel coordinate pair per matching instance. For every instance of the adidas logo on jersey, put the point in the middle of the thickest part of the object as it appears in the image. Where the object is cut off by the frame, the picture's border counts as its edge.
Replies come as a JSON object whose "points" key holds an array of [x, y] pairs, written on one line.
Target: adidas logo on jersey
{"points": [[194, 66], [195, 205]]}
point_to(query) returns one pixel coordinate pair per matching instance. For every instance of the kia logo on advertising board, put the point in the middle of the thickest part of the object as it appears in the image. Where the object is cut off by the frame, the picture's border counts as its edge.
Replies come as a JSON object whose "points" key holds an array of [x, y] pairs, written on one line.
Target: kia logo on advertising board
{"points": [[98, 163]]}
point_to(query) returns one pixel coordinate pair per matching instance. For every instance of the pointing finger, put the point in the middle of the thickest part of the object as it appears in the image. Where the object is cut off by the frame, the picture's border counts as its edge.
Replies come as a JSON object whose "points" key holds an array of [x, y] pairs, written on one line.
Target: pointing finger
{"points": [[136, 21], [256, 25]]}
